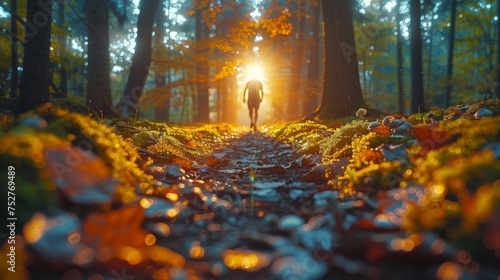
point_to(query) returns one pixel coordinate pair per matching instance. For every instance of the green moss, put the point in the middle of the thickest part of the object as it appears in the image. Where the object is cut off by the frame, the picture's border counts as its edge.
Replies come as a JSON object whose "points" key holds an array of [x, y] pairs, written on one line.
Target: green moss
{"points": [[338, 145], [306, 136]]}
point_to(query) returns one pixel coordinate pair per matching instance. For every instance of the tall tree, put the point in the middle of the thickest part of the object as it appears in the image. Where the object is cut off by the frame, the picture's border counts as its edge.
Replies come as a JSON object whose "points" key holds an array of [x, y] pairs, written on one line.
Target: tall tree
{"points": [[417, 73], [162, 110], [35, 78], [399, 54], [451, 45], [99, 87], [141, 60], [342, 94], [297, 61], [497, 87], [63, 88], [313, 71], [14, 55], [202, 84]]}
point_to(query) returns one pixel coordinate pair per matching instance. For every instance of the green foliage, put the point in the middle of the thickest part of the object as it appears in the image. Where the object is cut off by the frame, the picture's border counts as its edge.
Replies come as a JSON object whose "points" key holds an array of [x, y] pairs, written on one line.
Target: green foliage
{"points": [[339, 144], [307, 136], [192, 142]]}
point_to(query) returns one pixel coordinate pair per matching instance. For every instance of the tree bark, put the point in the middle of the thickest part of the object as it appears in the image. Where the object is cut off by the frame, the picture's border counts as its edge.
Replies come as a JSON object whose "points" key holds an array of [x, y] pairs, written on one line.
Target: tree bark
{"points": [[417, 80], [63, 87], [99, 83], [451, 45], [203, 109], [297, 98], [14, 55], [162, 111], [35, 78], [313, 72], [342, 94], [399, 50], [497, 87], [141, 60]]}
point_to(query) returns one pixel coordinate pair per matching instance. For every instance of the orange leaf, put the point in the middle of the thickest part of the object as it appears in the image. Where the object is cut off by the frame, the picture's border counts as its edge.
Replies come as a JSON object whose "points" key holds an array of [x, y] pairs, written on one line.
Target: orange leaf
{"points": [[115, 229], [430, 138]]}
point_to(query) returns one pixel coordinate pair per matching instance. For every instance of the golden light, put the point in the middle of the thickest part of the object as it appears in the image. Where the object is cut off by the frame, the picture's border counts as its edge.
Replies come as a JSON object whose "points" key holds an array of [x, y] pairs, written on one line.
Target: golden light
{"points": [[196, 251], [150, 239], [131, 255], [255, 71], [245, 259], [171, 213], [145, 203], [35, 228], [163, 228], [172, 197]]}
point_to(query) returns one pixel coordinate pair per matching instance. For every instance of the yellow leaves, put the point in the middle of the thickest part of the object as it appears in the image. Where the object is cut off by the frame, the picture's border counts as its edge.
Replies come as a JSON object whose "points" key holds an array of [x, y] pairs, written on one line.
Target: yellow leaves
{"points": [[277, 26]]}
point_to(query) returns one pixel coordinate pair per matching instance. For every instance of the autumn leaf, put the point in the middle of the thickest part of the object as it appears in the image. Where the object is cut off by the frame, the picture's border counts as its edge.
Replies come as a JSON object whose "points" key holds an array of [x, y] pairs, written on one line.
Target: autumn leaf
{"points": [[81, 176], [115, 229], [430, 138]]}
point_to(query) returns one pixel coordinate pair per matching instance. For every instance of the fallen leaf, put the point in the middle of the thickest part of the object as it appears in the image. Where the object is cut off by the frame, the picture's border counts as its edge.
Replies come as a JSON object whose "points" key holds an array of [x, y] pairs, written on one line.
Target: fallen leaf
{"points": [[430, 138], [81, 176]]}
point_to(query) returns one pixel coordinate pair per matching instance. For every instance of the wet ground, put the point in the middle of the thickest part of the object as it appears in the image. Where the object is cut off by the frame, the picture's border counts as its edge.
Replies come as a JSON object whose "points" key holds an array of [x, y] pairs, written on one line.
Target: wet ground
{"points": [[256, 209]]}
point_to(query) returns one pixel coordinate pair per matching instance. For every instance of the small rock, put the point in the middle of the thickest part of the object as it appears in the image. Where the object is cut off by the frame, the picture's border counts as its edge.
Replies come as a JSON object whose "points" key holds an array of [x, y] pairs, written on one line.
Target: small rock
{"points": [[387, 121], [483, 112], [373, 125], [290, 222], [34, 122]]}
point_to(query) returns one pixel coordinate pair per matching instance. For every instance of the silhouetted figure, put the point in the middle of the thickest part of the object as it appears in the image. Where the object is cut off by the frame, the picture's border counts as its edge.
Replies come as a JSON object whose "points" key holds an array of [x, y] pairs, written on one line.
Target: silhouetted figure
{"points": [[255, 96]]}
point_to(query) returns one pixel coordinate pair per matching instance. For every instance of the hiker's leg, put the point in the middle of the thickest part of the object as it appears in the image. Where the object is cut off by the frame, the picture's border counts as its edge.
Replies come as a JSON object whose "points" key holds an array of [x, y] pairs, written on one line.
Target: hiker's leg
{"points": [[250, 113]]}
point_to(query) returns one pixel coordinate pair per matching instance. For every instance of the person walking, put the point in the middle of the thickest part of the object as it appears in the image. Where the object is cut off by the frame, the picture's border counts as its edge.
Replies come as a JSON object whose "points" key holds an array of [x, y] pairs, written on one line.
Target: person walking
{"points": [[255, 96]]}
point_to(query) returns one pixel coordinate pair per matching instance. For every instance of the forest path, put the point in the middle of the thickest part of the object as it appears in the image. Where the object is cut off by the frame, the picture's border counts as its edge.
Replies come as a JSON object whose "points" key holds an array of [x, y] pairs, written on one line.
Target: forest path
{"points": [[274, 217]]}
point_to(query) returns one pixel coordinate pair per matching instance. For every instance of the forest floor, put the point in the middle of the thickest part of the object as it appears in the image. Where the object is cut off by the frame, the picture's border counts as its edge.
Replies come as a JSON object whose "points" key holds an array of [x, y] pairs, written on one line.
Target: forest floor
{"points": [[142, 200]]}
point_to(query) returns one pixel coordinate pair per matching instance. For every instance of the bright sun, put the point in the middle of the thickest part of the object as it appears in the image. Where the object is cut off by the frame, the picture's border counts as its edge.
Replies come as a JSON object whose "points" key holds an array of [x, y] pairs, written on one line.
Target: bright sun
{"points": [[254, 71]]}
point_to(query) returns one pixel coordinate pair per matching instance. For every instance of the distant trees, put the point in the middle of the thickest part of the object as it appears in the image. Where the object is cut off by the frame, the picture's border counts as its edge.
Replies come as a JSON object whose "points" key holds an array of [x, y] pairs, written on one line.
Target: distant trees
{"points": [[198, 78], [35, 78]]}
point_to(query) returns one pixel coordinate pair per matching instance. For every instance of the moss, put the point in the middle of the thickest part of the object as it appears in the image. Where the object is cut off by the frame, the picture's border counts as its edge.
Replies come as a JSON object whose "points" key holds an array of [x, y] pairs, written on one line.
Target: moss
{"points": [[491, 104], [338, 145], [306, 136], [24, 151]]}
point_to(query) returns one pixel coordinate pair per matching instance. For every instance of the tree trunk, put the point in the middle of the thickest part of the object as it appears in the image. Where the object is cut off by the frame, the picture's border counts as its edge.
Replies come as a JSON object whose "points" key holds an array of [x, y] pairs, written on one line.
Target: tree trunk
{"points": [[341, 91], [202, 72], [35, 78], [14, 55], [399, 47], [162, 111], [313, 72], [99, 84], [497, 87], [417, 94], [141, 60], [296, 77], [451, 45], [63, 87]]}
